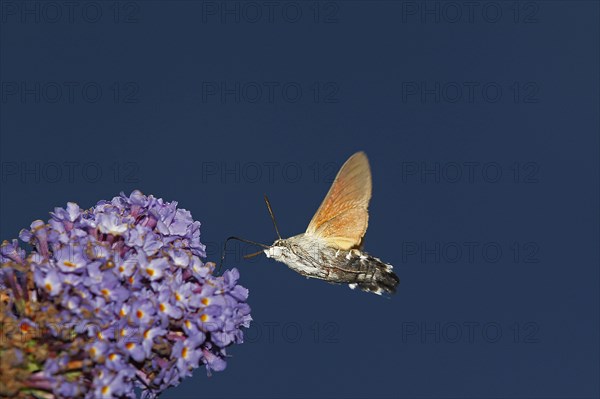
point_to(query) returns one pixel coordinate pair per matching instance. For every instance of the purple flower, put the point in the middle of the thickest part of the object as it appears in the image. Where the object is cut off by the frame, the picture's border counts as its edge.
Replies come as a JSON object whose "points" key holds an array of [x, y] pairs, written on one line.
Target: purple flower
{"points": [[111, 224], [70, 258], [71, 303], [156, 268], [183, 293], [124, 268], [25, 235], [191, 329], [210, 318], [98, 349], [213, 362], [110, 288], [12, 251], [128, 277], [113, 385], [114, 361], [67, 215], [142, 313], [179, 257], [38, 230], [133, 346], [51, 281], [188, 356], [200, 269], [166, 307]]}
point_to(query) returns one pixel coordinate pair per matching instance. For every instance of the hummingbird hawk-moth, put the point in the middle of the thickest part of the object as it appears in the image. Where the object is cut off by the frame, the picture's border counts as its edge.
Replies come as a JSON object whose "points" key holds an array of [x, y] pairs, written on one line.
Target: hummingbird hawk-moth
{"points": [[331, 247]]}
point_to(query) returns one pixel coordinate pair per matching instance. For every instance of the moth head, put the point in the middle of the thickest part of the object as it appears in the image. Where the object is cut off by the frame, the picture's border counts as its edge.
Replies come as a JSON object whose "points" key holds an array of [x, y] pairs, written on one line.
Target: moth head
{"points": [[277, 250]]}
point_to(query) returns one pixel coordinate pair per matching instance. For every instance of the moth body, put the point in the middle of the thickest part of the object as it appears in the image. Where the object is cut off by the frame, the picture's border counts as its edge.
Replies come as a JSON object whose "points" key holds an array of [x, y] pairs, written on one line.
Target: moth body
{"points": [[331, 247], [312, 257]]}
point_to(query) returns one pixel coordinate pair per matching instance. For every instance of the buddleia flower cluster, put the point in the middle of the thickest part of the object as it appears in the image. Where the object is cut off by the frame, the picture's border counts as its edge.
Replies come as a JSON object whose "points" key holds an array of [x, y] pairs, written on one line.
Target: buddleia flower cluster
{"points": [[112, 298]]}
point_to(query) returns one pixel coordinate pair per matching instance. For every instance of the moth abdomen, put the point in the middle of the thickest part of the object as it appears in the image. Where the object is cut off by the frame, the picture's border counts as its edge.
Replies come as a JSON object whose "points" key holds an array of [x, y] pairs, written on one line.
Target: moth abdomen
{"points": [[363, 271], [382, 280]]}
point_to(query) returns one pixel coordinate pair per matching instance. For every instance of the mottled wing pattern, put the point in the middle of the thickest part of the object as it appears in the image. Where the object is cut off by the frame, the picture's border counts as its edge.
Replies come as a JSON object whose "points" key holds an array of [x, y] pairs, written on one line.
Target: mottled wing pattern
{"points": [[343, 217]]}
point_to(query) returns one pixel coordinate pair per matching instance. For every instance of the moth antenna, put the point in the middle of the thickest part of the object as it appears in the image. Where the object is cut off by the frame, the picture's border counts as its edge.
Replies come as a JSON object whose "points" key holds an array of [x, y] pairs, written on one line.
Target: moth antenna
{"points": [[238, 239], [272, 216]]}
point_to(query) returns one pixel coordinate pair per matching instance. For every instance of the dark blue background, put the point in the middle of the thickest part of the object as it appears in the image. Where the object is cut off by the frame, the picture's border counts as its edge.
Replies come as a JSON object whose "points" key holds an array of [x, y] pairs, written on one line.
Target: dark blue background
{"points": [[534, 316]]}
